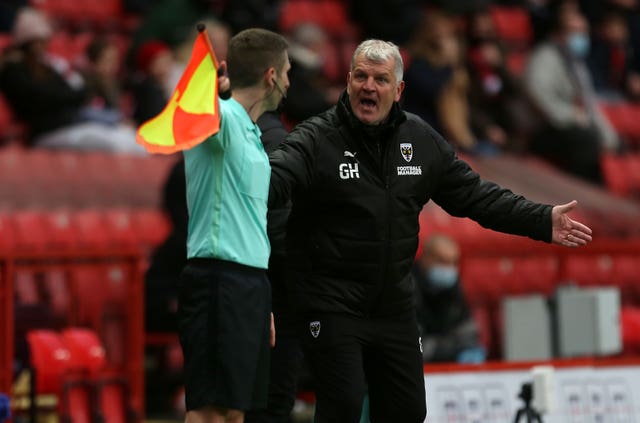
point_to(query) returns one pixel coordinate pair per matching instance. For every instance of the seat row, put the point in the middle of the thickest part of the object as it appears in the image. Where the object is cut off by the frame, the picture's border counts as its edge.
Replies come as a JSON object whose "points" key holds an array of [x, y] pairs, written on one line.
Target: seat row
{"points": [[33, 232], [486, 280], [39, 178]]}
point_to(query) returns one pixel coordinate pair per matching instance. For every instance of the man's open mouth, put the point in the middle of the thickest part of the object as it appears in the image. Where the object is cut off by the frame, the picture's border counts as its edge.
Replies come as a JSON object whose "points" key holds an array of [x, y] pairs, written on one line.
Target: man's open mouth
{"points": [[368, 103]]}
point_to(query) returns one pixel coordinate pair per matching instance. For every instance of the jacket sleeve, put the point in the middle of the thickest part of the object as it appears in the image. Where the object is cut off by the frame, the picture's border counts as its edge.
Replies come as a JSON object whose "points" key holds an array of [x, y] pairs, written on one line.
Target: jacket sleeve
{"points": [[292, 164], [462, 193]]}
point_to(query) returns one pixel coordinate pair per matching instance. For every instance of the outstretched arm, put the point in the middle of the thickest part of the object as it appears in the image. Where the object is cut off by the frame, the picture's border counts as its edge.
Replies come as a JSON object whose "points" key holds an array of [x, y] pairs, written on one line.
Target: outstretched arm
{"points": [[566, 231]]}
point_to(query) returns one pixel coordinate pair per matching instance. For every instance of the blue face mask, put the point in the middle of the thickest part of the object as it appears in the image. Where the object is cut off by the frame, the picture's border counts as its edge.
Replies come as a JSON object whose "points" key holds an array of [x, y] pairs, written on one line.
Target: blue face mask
{"points": [[578, 44], [442, 276]]}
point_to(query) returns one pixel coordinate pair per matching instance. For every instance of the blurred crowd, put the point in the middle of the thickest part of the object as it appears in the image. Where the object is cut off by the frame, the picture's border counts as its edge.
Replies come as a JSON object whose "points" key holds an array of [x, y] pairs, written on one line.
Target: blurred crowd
{"points": [[528, 76]]}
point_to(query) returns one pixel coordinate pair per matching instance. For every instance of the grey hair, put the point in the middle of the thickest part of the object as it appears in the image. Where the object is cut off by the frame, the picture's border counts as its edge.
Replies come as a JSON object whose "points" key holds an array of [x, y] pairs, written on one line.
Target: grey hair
{"points": [[380, 51]]}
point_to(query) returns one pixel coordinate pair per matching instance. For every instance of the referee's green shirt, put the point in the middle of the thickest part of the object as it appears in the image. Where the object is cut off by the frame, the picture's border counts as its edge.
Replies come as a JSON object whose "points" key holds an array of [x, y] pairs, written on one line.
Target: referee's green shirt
{"points": [[227, 189]]}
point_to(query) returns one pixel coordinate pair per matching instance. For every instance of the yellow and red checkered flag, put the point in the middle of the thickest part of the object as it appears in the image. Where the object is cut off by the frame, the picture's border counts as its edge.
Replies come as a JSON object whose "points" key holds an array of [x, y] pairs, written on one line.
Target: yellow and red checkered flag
{"points": [[192, 114]]}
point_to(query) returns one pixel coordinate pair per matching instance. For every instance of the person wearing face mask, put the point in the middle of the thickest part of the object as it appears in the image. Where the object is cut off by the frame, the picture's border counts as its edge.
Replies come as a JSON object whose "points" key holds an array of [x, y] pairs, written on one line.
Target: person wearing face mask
{"points": [[574, 132], [449, 332]]}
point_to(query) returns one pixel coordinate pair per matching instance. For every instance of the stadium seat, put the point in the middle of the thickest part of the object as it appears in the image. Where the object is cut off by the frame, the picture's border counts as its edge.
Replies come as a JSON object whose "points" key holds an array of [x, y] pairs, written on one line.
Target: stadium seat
{"points": [[119, 223], [623, 116], [615, 174], [152, 227], [487, 279], [26, 290], [513, 25], [91, 228], [109, 390], [630, 325], [331, 15], [57, 288], [50, 359], [95, 286], [588, 270], [6, 233], [62, 234], [32, 232], [87, 355]]}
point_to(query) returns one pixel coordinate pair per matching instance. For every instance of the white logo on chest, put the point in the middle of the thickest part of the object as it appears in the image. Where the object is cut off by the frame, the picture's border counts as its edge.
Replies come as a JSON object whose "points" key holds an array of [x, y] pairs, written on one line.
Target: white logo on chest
{"points": [[348, 171]]}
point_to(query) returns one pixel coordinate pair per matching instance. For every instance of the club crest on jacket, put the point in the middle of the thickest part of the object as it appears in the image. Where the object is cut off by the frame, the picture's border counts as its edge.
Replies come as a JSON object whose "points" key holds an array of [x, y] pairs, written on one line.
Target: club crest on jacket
{"points": [[314, 327], [406, 149]]}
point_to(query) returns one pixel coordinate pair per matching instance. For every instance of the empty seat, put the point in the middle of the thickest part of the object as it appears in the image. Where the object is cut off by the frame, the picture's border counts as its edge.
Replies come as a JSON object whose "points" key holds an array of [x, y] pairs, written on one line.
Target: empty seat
{"points": [[487, 279], [91, 228], [32, 234], [49, 358], [513, 25], [87, 354], [152, 227], [331, 15], [588, 269]]}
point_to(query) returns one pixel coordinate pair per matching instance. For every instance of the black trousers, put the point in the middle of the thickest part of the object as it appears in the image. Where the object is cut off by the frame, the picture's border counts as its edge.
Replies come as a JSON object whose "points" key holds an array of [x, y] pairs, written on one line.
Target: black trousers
{"points": [[286, 356], [348, 356]]}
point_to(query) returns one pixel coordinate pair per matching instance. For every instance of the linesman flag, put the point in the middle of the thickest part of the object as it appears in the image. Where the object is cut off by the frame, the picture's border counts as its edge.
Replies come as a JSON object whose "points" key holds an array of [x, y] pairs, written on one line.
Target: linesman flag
{"points": [[192, 114]]}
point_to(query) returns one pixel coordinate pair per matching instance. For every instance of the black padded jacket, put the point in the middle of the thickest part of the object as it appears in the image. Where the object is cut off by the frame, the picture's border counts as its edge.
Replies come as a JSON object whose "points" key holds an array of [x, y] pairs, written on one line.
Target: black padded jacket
{"points": [[357, 193]]}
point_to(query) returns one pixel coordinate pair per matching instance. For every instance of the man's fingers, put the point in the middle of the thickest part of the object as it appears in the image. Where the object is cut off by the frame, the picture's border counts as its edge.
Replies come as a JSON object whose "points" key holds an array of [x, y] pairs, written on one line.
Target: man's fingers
{"points": [[577, 226], [580, 234], [565, 208]]}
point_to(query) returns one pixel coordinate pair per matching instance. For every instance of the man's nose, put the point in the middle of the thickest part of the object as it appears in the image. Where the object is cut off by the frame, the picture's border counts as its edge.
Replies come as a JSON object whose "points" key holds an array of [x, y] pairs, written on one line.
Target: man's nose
{"points": [[369, 84]]}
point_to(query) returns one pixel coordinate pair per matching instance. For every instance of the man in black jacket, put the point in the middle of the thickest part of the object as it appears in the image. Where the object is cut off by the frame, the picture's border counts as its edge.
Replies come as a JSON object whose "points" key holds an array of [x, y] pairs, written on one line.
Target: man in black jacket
{"points": [[358, 176]]}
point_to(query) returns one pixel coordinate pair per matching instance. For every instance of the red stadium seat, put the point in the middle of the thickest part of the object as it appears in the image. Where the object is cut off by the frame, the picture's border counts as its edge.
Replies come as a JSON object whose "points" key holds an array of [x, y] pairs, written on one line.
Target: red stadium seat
{"points": [[487, 279], [152, 227], [26, 291], [331, 15], [7, 234], [625, 118], [87, 355], [513, 25], [120, 226], [588, 269], [50, 359], [57, 288], [32, 232], [92, 231], [615, 174]]}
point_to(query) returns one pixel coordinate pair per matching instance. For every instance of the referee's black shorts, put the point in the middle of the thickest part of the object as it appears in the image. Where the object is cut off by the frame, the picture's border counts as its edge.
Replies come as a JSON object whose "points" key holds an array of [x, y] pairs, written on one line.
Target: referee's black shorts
{"points": [[224, 332]]}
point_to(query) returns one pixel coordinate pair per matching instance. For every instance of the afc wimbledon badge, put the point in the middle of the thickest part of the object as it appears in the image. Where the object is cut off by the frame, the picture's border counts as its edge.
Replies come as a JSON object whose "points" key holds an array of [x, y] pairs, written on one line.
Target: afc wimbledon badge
{"points": [[407, 151], [314, 327]]}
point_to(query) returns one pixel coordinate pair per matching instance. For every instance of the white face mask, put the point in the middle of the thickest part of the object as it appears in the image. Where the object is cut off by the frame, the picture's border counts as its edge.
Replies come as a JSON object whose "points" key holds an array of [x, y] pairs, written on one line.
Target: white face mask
{"points": [[441, 276]]}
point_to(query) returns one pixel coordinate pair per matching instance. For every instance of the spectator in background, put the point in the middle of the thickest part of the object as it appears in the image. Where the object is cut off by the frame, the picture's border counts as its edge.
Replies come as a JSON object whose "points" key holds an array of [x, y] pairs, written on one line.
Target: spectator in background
{"points": [[169, 21], [48, 95], [439, 85], [499, 109], [612, 59], [155, 64], [310, 92], [102, 78], [219, 34], [391, 20], [557, 79], [449, 332]]}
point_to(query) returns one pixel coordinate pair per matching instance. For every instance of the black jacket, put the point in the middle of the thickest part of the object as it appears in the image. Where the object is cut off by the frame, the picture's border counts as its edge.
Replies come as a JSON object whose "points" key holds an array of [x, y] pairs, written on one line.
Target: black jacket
{"points": [[357, 193]]}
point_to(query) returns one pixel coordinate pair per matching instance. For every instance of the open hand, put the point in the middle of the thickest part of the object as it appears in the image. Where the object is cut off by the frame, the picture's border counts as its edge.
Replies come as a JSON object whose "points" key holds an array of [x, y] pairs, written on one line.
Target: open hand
{"points": [[566, 231]]}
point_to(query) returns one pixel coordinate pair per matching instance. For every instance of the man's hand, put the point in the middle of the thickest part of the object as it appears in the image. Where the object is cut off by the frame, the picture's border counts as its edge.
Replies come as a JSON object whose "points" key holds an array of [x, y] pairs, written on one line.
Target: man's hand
{"points": [[566, 231], [224, 83], [272, 337]]}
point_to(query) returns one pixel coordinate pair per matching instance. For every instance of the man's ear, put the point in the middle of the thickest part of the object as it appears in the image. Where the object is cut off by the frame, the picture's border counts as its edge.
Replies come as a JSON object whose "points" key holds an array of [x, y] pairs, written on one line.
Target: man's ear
{"points": [[270, 75], [399, 90]]}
